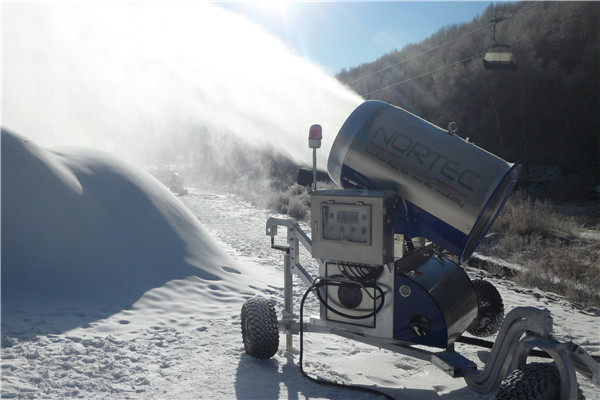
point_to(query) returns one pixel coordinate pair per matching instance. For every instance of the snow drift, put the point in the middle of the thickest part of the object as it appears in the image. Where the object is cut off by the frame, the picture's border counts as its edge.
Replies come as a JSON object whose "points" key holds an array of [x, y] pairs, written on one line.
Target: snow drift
{"points": [[83, 227]]}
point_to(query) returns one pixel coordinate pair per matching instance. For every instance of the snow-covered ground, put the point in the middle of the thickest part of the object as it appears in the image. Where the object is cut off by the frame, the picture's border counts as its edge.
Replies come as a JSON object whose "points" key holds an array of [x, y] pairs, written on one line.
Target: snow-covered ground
{"points": [[75, 324]]}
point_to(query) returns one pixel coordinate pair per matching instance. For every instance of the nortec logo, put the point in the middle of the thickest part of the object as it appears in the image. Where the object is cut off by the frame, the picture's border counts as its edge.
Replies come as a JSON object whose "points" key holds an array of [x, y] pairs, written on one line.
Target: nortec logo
{"points": [[426, 158]]}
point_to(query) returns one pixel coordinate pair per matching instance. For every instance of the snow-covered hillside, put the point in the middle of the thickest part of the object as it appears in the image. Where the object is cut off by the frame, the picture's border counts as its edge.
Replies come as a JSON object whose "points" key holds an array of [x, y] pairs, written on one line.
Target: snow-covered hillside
{"points": [[114, 288]]}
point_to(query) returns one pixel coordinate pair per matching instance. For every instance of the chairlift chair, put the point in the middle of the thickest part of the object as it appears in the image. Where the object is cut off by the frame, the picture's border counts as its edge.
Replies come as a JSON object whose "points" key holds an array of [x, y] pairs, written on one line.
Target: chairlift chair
{"points": [[499, 56]]}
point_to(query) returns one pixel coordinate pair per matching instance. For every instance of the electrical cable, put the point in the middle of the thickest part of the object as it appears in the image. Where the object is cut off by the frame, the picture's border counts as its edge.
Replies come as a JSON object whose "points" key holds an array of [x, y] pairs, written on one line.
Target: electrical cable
{"points": [[367, 276], [416, 55], [425, 73], [360, 273], [317, 285], [340, 282]]}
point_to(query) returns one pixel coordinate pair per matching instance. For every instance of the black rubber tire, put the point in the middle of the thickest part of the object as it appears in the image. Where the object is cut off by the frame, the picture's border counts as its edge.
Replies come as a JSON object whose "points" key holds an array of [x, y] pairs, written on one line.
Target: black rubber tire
{"points": [[259, 328], [535, 381], [490, 310]]}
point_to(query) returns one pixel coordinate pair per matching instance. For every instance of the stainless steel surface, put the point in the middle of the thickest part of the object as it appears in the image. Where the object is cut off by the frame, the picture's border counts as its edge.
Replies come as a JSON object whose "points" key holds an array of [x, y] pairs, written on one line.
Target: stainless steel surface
{"points": [[449, 178], [353, 226]]}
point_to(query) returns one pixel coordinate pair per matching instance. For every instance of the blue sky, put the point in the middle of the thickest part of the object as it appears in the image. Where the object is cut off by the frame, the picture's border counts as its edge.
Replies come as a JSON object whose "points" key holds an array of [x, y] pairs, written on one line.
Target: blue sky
{"points": [[346, 34]]}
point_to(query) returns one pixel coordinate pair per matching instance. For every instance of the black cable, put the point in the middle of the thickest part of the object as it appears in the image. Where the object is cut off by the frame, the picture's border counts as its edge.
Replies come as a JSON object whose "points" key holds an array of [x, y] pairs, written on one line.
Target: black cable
{"points": [[340, 282], [360, 273], [317, 285]]}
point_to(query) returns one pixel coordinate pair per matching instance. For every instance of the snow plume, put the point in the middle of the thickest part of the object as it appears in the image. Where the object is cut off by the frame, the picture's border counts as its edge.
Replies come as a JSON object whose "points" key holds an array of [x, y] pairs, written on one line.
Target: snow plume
{"points": [[154, 81]]}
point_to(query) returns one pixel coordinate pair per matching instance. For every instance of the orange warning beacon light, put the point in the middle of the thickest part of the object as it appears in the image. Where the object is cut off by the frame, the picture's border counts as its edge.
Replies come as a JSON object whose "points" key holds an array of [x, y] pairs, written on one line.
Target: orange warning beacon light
{"points": [[315, 135]]}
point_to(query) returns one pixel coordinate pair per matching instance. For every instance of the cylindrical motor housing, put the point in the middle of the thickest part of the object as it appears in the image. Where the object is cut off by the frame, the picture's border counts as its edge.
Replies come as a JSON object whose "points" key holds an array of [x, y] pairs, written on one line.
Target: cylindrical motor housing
{"points": [[454, 189], [434, 299]]}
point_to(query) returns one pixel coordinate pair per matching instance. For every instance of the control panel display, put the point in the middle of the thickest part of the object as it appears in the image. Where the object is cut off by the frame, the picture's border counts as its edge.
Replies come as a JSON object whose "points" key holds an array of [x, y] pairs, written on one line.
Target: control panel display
{"points": [[347, 223], [353, 226]]}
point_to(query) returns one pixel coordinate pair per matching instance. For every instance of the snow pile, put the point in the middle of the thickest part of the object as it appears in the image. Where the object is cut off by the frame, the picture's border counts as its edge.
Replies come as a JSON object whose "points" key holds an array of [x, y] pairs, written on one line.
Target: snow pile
{"points": [[109, 281], [83, 228]]}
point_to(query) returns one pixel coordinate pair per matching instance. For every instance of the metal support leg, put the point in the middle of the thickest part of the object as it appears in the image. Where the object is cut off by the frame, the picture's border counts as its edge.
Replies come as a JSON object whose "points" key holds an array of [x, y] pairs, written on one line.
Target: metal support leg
{"points": [[291, 266], [288, 313]]}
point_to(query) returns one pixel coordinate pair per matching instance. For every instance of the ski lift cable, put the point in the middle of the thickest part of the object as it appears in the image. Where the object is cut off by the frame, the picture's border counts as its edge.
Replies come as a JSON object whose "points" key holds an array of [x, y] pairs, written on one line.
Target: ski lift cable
{"points": [[417, 55], [463, 60], [525, 9], [441, 45], [545, 30], [425, 73]]}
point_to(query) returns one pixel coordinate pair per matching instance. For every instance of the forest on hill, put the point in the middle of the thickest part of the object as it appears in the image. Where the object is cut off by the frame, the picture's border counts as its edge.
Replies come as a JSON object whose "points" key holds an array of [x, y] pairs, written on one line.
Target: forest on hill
{"points": [[545, 113]]}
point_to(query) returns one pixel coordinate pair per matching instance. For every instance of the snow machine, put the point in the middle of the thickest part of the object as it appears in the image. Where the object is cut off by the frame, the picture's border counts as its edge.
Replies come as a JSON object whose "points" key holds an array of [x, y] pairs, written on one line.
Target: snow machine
{"points": [[415, 202], [175, 184]]}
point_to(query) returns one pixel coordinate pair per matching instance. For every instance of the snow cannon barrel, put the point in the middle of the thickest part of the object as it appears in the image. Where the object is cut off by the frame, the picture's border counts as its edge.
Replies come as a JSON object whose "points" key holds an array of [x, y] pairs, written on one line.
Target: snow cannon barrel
{"points": [[452, 190]]}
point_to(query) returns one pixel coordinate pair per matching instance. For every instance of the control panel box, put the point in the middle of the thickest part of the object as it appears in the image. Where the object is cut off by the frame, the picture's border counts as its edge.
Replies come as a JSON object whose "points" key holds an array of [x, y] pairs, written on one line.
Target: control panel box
{"points": [[353, 226]]}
